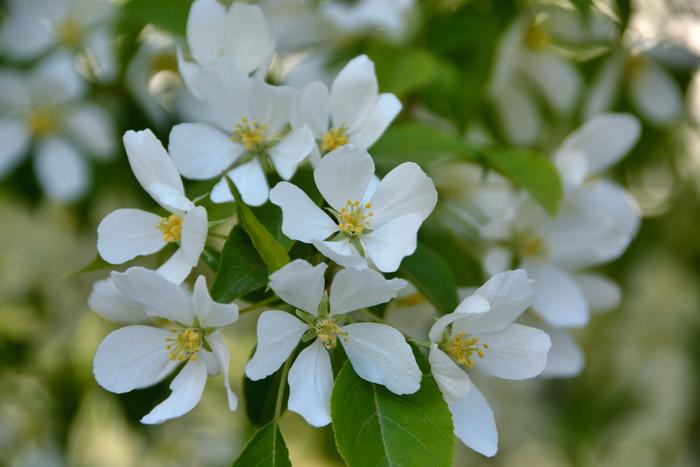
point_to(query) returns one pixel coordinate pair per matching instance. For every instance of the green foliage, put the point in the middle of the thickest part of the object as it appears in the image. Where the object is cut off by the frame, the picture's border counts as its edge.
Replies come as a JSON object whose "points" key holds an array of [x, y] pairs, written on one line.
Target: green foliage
{"points": [[431, 275], [374, 427], [241, 269], [265, 449], [402, 70], [167, 14]]}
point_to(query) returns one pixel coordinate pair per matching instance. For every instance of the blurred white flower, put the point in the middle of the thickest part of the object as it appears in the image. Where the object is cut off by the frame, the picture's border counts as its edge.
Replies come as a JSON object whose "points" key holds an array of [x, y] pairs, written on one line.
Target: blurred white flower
{"points": [[353, 112], [376, 221], [45, 108], [482, 335], [378, 353], [126, 233], [139, 356], [383, 17]]}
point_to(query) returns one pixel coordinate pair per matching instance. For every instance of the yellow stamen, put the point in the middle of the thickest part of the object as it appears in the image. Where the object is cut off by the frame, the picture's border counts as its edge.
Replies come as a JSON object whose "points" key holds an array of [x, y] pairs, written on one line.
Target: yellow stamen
{"points": [[461, 348], [42, 123], [69, 32], [333, 139], [531, 244], [171, 227], [410, 300], [635, 65], [536, 36], [249, 134], [185, 345], [328, 331], [354, 218]]}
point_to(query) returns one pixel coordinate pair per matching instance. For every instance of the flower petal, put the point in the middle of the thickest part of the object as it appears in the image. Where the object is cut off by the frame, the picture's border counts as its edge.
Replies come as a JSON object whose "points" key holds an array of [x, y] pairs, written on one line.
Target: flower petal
{"points": [[353, 289], [385, 110], [300, 284], [251, 182], [310, 385], [559, 300], [176, 268], [344, 174], [187, 388], [127, 233], [601, 293], [656, 94], [93, 128], [200, 151], [270, 104], [404, 190], [205, 26], [246, 36], [278, 334], [342, 252], [452, 380], [519, 116], [291, 151], [159, 296], [516, 352], [194, 234], [55, 80], [557, 79], [170, 198], [474, 423], [15, 143], [497, 260], [216, 342], [61, 171], [604, 89], [132, 357], [311, 107], [211, 314], [471, 309], [301, 219], [379, 354], [109, 302], [354, 93], [565, 358], [392, 242]]}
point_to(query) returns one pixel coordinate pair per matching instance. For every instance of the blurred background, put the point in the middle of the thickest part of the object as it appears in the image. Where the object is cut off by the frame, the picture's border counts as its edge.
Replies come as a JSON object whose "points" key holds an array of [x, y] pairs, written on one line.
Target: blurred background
{"points": [[636, 402]]}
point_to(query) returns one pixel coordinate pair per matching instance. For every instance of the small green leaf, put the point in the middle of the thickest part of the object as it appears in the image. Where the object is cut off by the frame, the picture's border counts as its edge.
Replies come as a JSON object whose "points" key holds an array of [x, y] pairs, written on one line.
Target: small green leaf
{"points": [[375, 427], [402, 70], [270, 216], [166, 14], [241, 270], [431, 275], [265, 449], [261, 396], [272, 253]]}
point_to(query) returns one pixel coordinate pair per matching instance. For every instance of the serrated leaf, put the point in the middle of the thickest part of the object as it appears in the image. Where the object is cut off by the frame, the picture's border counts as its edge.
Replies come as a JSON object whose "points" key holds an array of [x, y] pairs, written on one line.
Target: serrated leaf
{"points": [[374, 427], [265, 449], [432, 277], [241, 270]]}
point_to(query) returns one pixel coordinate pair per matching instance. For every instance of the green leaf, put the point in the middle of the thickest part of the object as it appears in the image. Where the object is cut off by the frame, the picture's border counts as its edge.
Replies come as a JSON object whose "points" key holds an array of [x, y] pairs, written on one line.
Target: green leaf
{"points": [[624, 12], [265, 449], [431, 275], [261, 396], [96, 264], [270, 216], [402, 70], [241, 270], [212, 257], [375, 427], [272, 253], [583, 6], [167, 14]]}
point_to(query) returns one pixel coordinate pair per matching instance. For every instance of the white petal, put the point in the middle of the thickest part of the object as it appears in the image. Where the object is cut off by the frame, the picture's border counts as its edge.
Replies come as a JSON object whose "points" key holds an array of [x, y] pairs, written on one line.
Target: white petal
{"points": [[278, 334], [291, 151], [311, 107], [170, 198], [176, 268], [354, 93], [559, 300], [205, 26], [601, 293], [558, 80], [343, 175], [270, 104], [250, 180], [497, 260], [474, 423], [127, 233], [200, 151], [354, 289], [16, 96], [519, 116], [573, 167], [655, 93], [94, 128], [385, 110], [150, 162], [342, 252], [604, 140], [216, 342], [15, 143], [220, 193], [23, 34], [565, 358], [470, 309], [452, 380], [110, 303], [211, 314], [62, 172], [604, 88], [246, 36], [300, 284], [187, 388], [132, 357], [310, 385], [379, 354], [301, 219], [159, 296], [392, 242], [404, 190], [56, 81], [516, 352], [194, 234]]}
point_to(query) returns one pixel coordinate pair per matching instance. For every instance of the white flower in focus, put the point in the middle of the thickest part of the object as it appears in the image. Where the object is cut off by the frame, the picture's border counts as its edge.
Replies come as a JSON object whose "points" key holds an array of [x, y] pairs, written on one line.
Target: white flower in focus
{"points": [[245, 132], [481, 334], [43, 110], [353, 112], [126, 233], [139, 356], [378, 353], [378, 222]]}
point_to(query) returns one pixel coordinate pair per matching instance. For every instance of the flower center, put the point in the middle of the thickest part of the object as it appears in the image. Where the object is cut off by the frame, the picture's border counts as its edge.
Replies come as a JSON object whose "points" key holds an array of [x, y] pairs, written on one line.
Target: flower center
{"points": [[171, 227], [69, 32], [461, 349], [635, 64], [354, 218], [185, 345], [333, 139], [42, 123], [530, 244], [249, 134], [536, 36], [328, 331]]}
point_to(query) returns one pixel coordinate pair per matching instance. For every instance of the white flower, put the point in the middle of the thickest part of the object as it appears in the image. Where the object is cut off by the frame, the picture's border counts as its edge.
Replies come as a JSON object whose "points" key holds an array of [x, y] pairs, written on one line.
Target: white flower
{"points": [[482, 335], [126, 233], [387, 17], [376, 221], [378, 353], [32, 27], [246, 124], [138, 356], [44, 108], [353, 112]]}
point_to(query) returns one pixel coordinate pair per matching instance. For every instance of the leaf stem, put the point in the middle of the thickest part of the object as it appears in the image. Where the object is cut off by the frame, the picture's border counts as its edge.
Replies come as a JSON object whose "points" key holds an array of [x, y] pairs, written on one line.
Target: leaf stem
{"points": [[280, 389]]}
